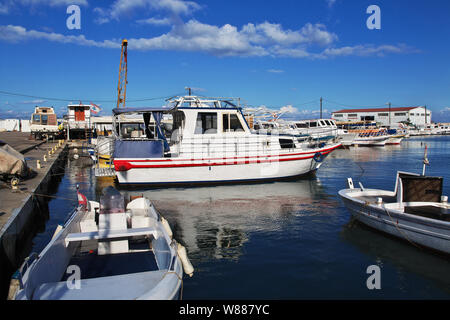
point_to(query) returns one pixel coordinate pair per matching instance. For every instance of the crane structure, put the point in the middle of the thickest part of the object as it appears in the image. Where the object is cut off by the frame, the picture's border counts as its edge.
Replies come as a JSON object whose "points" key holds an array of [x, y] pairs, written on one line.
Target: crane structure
{"points": [[123, 68]]}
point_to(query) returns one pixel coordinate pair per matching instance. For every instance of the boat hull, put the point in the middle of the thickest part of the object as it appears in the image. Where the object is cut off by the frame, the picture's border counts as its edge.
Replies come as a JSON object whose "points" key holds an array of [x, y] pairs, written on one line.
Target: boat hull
{"points": [[370, 141], [394, 140], [424, 232], [219, 170]]}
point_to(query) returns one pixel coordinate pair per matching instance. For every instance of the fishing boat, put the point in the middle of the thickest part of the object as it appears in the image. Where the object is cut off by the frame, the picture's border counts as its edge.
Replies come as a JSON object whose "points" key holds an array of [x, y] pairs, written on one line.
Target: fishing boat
{"points": [[371, 137], [415, 211], [395, 136], [210, 141], [107, 250]]}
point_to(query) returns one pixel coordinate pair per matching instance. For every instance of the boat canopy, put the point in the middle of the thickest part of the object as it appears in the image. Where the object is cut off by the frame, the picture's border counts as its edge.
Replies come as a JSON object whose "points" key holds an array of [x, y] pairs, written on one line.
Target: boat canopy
{"points": [[117, 111]]}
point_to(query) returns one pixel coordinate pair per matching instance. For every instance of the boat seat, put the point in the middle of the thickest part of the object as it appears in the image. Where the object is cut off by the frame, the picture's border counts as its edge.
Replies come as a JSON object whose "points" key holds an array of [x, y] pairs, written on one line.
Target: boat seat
{"points": [[120, 287], [110, 234]]}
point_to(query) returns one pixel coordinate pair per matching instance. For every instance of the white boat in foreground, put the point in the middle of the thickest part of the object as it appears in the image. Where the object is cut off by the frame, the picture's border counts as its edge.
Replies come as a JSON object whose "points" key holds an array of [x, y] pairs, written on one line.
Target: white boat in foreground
{"points": [[415, 211], [107, 251]]}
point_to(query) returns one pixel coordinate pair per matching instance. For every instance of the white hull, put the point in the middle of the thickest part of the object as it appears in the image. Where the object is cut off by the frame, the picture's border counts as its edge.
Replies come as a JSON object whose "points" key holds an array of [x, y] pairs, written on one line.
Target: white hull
{"points": [[216, 170], [423, 231], [371, 141], [394, 140]]}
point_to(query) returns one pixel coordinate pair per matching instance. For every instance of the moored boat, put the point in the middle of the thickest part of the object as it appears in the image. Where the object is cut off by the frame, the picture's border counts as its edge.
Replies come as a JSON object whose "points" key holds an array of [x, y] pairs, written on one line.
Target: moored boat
{"points": [[211, 142], [415, 211], [107, 251]]}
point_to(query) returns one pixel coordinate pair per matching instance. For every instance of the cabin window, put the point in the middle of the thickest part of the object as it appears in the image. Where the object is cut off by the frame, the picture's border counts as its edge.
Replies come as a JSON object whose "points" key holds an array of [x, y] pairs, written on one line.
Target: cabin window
{"points": [[383, 114], [400, 114], [287, 143], [313, 124], [338, 115], [301, 125], [206, 123], [352, 115], [231, 123], [44, 119], [37, 118]]}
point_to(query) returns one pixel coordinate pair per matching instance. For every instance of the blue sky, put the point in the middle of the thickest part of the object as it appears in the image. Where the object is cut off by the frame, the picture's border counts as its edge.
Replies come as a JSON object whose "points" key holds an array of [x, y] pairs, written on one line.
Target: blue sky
{"points": [[281, 54]]}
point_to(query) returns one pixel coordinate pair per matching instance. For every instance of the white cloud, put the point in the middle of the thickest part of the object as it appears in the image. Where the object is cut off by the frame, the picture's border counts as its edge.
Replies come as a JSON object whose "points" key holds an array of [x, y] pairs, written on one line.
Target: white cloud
{"points": [[288, 109], [274, 33], [330, 3], [155, 21], [366, 50], [196, 36], [7, 5], [126, 7], [265, 39], [275, 71], [36, 101], [12, 33]]}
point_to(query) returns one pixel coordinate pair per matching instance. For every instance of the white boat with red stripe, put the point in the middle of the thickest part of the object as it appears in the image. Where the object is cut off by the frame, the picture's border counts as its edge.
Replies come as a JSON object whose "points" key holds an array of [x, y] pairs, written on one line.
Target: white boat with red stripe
{"points": [[208, 140]]}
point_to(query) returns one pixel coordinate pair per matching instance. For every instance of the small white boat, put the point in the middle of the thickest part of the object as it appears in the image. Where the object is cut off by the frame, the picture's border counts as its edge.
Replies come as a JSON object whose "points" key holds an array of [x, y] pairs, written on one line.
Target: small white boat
{"points": [[107, 251], [371, 137], [395, 136], [415, 211]]}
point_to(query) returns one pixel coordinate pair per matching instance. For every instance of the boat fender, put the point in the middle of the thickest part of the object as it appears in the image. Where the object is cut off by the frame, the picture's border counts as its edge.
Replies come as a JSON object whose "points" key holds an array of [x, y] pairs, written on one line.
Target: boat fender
{"points": [[318, 157], [187, 266], [166, 226]]}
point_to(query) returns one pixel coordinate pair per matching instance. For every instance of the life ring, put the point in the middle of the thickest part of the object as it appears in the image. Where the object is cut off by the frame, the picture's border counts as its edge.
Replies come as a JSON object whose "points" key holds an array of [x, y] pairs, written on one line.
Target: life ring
{"points": [[318, 157]]}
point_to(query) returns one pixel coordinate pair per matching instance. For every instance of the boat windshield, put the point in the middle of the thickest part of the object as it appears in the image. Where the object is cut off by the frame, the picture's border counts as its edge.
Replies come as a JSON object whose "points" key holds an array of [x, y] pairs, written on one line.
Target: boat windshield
{"points": [[36, 118]]}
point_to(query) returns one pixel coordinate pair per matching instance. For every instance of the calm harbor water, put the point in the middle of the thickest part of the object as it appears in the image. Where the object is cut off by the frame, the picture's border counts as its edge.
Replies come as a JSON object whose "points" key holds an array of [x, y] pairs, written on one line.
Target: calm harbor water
{"points": [[289, 240]]}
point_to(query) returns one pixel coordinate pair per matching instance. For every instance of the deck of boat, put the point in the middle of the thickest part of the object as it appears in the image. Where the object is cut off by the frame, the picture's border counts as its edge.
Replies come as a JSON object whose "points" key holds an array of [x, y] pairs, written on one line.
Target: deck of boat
{"points": [[96, 266], [373, 199]]}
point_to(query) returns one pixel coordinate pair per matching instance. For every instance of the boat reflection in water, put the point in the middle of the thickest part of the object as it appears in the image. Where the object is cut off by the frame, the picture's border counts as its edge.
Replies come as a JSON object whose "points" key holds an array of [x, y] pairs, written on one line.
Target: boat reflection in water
{"points": [[388, 251], [215, 222]]}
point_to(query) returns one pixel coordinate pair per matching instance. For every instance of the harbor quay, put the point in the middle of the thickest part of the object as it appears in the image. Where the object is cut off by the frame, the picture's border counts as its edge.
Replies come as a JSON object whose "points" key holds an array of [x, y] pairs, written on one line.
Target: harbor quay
{"points": [[24, 206]]}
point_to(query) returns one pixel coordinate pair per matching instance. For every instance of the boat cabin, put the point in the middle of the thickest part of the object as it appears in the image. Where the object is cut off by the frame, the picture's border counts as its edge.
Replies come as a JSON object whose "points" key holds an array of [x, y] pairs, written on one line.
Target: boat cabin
{"points": [[316, 123], [44, 122], [78, 121]]}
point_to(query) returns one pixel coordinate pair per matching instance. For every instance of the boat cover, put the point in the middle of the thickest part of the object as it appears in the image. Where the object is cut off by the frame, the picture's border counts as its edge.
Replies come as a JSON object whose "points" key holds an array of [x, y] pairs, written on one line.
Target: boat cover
{"points": [[138, 149], [117, 111], [12, 162]]}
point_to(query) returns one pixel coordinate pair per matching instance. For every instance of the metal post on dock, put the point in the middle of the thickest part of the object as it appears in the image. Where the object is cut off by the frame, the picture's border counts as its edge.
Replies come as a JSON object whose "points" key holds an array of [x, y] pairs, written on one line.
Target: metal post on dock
{"points": [[320, 107], [389, 114]]}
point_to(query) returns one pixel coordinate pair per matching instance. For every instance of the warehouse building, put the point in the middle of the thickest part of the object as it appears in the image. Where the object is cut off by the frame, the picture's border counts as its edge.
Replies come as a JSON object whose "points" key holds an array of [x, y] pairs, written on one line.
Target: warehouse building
{"points": [[418, 116]]}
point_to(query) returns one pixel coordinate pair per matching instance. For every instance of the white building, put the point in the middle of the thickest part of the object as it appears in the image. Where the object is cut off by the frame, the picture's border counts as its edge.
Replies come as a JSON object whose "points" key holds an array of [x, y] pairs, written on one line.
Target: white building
{"points": [[418, 116]]}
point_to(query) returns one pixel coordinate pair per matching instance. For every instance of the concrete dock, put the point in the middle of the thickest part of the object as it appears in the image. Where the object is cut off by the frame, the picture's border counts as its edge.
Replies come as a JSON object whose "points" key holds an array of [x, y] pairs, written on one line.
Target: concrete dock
{"points": [[22, 210]]}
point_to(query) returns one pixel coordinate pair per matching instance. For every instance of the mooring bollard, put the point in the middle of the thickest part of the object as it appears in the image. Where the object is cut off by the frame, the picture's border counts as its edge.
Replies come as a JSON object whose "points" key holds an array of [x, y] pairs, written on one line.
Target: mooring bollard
{"points": [[45, 158], [38, 164]]}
